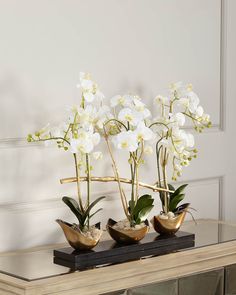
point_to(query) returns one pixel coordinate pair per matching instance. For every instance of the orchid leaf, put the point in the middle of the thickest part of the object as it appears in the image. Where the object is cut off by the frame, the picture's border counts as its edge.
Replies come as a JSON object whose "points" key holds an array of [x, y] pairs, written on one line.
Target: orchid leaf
{"points": [[100, 209], [143, 201], [178, 191], [143, 214], [90, 207], [175, 201], [74, 207]]}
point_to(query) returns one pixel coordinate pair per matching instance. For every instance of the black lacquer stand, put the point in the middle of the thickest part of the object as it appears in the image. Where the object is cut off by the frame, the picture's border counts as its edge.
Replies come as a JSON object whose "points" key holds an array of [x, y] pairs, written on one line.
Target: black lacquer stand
{"points": [[109, 252]]}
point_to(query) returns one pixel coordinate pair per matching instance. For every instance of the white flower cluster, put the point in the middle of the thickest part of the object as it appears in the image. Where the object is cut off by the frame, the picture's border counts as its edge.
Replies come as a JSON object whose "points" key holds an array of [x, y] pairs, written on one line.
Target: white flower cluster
{"points": [[131, 126], [81, 131], [90, 90], [178, 143], [133, 132]]}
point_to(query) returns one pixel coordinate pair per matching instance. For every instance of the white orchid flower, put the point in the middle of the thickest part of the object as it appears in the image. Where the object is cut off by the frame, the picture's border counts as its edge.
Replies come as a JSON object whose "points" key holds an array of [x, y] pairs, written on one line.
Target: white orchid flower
{"points": [[143, 133], [84, 146], [141, 108], [126, 140], [131, 116], [184, 139], [178, 119], [159, 100], [189, 139], [199, 111], [167, 143], [85, 141], [99, 96], [121, 100], [87, 85], [89, 96], [183, 101], [178, 90], [193, 101], [89, 88], [103, 114]]}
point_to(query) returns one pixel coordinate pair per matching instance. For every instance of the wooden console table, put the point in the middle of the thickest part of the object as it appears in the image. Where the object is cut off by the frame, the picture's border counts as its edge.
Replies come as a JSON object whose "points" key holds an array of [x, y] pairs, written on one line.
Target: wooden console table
{"points": [[215, 250]]}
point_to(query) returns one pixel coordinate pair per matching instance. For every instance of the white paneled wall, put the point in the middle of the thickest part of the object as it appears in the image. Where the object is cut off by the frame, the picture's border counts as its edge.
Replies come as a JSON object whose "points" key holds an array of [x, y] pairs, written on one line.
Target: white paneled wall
{"points": [[128, 46]]}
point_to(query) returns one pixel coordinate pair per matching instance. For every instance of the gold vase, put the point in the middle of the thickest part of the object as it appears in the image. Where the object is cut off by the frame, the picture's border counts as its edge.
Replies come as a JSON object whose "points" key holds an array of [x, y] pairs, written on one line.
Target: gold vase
{"points": [[123, 236], [171, 225], [76, 239]]}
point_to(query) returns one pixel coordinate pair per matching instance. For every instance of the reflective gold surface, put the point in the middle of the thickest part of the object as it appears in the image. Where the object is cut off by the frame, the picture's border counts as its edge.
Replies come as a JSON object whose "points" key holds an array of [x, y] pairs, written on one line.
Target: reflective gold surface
{"points": [[126, 236], [76, 239], [168, 226]]}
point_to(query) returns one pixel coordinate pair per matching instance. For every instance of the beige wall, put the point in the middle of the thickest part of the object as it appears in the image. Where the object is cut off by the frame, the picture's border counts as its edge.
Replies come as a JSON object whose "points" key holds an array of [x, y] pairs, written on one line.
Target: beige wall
{"points": [[129, 46]]}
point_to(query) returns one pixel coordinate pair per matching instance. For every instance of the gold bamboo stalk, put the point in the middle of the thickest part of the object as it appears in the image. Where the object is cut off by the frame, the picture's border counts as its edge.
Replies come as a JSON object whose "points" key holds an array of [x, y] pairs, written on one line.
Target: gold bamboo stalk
{"points": [[110, 178]]}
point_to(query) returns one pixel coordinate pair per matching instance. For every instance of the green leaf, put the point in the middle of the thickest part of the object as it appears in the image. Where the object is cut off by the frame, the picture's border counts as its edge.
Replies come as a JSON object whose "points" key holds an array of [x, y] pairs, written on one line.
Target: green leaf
{"points": [[143, 214], [100, 209], [143, 201], [175, 201], [131, 206], [171, 188], [90, 207], [74, 207], [178, 191]]}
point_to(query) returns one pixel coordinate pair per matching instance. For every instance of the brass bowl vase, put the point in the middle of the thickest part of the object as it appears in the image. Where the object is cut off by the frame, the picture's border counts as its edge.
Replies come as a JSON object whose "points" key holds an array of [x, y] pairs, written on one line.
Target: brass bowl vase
{"points": [[126, 236], [171, 225], [76, 239]]}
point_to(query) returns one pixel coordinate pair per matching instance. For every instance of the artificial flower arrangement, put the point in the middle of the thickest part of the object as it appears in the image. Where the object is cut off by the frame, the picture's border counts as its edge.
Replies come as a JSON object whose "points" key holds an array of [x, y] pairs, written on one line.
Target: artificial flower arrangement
{"points": [[127, 125]]}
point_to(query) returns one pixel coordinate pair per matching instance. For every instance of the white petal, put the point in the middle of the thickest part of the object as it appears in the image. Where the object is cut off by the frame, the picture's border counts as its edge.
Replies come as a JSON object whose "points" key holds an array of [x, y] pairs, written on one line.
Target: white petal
{"points": [[88, 96], [199, 111]]}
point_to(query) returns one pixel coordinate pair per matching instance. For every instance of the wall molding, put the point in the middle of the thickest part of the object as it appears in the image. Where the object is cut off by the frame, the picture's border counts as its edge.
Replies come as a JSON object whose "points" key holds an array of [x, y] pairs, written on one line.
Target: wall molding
{"points": [[223, 60], [55, 203]]}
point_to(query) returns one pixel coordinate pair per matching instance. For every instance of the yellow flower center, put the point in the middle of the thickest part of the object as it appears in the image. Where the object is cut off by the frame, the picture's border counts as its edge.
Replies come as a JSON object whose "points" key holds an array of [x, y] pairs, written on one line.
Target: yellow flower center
{"points": [[128, 117], [124, 144]]}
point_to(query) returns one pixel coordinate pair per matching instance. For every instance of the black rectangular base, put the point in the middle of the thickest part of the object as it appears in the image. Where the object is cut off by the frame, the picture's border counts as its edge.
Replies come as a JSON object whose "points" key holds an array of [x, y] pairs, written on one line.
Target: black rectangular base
{"points": [[109, 252]]}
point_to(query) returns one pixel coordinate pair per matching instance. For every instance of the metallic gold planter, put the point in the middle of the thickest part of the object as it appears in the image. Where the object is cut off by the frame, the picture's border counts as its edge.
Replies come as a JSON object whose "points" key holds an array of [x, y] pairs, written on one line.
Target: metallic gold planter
{"points": [[76, 239], [169, 226], [123, 236]]}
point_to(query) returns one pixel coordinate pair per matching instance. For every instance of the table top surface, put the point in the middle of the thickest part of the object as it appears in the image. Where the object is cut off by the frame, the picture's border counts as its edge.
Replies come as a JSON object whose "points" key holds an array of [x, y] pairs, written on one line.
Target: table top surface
{"points": [[36, 264]]}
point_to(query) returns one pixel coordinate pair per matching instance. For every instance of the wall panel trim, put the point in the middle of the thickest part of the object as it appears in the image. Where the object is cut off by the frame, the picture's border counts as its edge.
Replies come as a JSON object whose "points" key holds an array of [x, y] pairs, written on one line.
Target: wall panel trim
{"points": [[55, 203]]}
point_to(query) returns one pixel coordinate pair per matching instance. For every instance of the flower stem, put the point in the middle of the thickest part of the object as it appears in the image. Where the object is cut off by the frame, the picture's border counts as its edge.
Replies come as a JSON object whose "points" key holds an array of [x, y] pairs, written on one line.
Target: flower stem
{"points": [[78, 183], [164, 164], [133, 197], [115, 169], [88, 182]]}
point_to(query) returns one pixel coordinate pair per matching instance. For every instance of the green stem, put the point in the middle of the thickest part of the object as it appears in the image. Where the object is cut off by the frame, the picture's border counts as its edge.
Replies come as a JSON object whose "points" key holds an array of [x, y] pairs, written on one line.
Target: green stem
{"points": [[193, 119], [164, 164], [133, 177], [117, 121], [88, 182], [158, 164], [83, 102], [117, 176], [78, 183], [159, 123], [52, 138]]}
